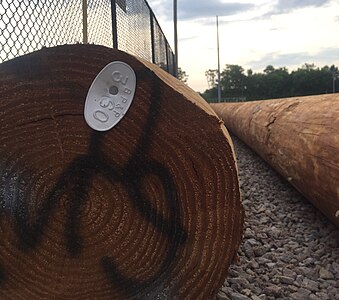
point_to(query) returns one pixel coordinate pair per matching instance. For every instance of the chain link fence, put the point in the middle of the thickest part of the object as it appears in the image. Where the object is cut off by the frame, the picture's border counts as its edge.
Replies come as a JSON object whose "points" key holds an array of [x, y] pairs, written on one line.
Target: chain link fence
{"points": [[128, 25]]}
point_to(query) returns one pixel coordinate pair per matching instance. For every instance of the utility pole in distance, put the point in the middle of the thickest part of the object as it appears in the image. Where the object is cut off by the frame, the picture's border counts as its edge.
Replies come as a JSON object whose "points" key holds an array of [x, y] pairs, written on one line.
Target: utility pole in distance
{"points": [[219, 87], [175, 17]]}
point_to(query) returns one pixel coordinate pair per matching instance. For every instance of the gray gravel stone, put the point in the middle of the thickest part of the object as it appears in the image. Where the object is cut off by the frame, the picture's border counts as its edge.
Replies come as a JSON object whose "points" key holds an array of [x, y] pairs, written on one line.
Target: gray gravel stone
{"points": [[302, 294], [271, 265], [314, 297], [289, 250], [237, 296], [310, 285], [323, 295], [273, 290], [259, 251], [289, 273], [285, 279], [248, 250], [325, 274], [222, 297]]}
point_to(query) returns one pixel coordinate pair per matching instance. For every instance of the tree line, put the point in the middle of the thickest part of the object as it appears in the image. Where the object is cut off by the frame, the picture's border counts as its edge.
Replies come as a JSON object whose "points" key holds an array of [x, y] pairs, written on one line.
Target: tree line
{"points": [[272, 83]]}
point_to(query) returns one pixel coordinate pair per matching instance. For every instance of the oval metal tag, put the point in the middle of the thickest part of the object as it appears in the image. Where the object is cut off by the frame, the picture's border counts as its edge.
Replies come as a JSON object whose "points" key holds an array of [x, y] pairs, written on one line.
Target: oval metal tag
{"points": [[110, 96]]}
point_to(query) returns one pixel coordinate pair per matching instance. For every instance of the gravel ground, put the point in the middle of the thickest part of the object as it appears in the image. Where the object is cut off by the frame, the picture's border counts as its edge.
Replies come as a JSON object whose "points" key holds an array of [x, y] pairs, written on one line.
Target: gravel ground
{"points": [[289, 250]]}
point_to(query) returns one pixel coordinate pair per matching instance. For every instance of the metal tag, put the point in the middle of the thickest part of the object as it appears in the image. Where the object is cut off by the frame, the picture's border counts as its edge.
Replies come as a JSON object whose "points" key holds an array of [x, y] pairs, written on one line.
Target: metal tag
{"points": [[110, 96]]}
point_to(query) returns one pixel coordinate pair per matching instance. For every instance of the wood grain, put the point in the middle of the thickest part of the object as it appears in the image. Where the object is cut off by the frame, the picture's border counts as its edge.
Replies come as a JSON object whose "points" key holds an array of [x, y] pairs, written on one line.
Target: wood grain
{"points": [[148, 210], [299, 137]]}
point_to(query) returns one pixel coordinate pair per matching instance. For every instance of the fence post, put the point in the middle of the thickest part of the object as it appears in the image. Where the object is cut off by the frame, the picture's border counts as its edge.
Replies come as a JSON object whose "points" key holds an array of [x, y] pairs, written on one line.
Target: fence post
{"points": [[167, 58], [84, 22], [114, 23], [152, 37]]}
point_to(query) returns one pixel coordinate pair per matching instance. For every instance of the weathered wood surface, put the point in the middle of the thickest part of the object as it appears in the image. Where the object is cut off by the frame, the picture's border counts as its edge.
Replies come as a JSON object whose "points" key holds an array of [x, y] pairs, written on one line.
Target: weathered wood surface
{"points": [[148, 210], [299, 137]]}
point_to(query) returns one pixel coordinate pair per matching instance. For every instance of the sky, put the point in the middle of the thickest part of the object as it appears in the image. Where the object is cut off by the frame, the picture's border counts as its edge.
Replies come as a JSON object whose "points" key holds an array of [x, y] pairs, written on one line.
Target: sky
{"points": [[253, 34]]}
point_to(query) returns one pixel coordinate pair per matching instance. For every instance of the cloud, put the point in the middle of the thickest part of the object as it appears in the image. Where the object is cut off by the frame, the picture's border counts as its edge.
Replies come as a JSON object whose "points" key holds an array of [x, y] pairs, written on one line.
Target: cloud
{"points": [[326, 56], [197, 9], [277, 59], [331, 54], [286, 6], [204, 9], [189, 38]]}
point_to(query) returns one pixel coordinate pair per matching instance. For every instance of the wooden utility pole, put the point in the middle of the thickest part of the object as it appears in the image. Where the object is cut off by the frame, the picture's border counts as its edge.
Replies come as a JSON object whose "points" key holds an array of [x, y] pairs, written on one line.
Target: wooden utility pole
{"points": [[299, 138], [128, 213]]}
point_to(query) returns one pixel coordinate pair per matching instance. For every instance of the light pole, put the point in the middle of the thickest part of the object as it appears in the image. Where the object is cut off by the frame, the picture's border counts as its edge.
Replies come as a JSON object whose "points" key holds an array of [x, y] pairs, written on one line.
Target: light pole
{"points": [[219, 87], [175, 18]]}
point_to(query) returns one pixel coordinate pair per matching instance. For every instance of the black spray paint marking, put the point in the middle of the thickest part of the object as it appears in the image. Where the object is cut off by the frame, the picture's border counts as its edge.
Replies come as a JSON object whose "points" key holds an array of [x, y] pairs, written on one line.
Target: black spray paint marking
{"points": [[2, 274], [75, 182]]}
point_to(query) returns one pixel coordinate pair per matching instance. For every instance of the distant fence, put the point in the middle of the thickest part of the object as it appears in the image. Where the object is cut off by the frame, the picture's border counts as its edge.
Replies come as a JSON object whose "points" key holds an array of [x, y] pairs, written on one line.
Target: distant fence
{"points": [[229, 99], [128, 25]]}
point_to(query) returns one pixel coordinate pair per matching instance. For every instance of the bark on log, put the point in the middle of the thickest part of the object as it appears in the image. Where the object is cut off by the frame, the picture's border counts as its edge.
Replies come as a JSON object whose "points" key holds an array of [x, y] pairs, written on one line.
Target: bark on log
{"points": [[299, 137], [147, 210]]}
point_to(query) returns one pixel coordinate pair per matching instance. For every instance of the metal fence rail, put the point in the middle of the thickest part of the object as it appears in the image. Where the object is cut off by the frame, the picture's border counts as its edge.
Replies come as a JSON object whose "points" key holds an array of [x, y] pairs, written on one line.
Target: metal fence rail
{"points": [[128, 25]]}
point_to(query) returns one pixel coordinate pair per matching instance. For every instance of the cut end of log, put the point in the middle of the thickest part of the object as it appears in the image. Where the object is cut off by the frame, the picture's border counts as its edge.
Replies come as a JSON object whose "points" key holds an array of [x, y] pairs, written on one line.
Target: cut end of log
{"points": [[147, 210]]}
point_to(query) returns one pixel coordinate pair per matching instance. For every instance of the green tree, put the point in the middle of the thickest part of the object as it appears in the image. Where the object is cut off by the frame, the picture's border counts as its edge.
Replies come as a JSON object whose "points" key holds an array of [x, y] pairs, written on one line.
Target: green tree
{"points": [[249, 72], [233, 81], [210, 95], [272, 82], [269, 69], [182, 75], [277, 83], [309, 80], [212, 78]]}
